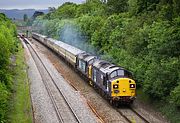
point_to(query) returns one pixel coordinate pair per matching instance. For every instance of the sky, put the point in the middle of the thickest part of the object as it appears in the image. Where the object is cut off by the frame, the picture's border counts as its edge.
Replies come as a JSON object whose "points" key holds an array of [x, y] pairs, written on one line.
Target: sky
{"points": [[33, 4]]}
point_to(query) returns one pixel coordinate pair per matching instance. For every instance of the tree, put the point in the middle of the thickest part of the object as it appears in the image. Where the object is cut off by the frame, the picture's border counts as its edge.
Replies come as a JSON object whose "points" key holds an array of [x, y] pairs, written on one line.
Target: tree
{"points": [[147, 5], [37, 13], [175, 96], [67, 10], [25, 17], [7, 43], [92, 7], [51, 9], [117, 6]]}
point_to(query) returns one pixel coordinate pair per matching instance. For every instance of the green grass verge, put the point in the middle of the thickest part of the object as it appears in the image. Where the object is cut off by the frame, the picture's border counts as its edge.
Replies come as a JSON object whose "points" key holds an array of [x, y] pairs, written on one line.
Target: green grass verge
{"points": [[171, 112], [20, 108]]}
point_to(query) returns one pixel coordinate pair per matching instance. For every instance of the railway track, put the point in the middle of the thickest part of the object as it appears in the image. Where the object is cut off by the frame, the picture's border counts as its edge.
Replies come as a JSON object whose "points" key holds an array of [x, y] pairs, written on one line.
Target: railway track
{"points": [[54, 93], [131, 115], [90, 105]]}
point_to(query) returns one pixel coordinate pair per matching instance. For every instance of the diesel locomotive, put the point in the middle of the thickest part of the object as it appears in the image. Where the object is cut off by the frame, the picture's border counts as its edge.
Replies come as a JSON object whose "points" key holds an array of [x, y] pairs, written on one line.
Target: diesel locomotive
{"points": [[113, 82]]}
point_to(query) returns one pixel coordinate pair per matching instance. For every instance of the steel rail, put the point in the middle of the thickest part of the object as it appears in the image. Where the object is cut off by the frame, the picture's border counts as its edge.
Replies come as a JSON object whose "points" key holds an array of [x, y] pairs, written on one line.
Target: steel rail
{"points": [[64, 97], [135, 112]]}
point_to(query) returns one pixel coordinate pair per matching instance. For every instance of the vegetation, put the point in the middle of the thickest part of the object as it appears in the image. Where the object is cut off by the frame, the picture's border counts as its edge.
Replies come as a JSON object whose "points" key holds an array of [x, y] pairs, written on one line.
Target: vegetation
{"points": [[14, 95], [140, 35], [7, 43], [20, 101], [25, 17]]}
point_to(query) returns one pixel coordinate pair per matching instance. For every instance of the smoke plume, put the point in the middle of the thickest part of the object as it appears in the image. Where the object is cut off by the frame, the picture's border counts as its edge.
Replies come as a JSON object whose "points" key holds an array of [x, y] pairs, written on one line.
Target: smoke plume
{"points": [[70, 34]]}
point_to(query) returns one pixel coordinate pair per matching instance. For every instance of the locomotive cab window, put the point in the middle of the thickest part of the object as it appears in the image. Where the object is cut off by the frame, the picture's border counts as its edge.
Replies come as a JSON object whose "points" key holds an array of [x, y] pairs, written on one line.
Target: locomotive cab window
{"points": [[91, 61], [120, 72], [117, 73], [113, 74]]}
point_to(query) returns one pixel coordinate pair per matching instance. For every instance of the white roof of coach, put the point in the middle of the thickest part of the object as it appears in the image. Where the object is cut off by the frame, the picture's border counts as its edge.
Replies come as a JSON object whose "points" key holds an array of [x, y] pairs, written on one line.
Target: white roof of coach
{"points": [[52, 40], [69, 48], [43, 36]]}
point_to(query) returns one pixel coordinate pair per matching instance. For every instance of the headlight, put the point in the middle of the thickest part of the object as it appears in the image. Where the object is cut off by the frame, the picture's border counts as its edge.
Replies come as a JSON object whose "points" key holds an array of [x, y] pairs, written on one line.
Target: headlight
{"points": [[115, 86], [132, 86]]}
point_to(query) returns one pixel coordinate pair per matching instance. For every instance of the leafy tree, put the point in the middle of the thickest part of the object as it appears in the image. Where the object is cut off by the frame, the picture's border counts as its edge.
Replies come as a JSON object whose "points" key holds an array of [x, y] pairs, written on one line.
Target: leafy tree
{"points": [[147, 5], [133, 7], [175, 96], [8, 46], [89, 24], [176, 7], [67, 10], [36, 14], [25, 17], [51, 9], [117, 6], [4, 96]]}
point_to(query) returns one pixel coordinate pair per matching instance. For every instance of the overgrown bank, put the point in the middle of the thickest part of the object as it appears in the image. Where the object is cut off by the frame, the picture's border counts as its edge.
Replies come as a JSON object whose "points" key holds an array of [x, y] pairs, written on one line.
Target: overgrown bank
{"points": [[7, 48], [140, 35], [14, 92], [20, 102]]}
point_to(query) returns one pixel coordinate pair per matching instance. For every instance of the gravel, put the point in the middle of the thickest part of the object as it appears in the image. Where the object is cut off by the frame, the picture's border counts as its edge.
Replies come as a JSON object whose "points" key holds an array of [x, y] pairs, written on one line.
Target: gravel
{"points": [[43, 111], [149, 113], [74, 98]]}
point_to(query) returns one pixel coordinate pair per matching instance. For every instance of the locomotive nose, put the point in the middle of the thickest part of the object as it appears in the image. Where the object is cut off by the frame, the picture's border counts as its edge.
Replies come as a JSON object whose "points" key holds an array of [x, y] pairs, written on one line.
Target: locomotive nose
{"points": [[123, 87]]}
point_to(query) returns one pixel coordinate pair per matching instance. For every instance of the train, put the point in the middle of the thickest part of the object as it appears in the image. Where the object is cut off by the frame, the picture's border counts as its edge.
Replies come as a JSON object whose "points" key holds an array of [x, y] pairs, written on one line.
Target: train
{"points": [[113, 82]]}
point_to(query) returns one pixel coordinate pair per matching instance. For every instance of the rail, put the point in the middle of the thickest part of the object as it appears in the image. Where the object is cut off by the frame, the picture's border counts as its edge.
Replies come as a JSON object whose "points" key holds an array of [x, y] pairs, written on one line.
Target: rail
{"points": [[49, 92]]}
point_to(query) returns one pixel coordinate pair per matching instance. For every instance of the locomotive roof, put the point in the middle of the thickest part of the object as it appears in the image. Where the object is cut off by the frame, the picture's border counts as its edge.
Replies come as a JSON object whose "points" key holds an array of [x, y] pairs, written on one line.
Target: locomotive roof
{"points": [[86, 56], [69, 48], [105, 66], [89, 58]]}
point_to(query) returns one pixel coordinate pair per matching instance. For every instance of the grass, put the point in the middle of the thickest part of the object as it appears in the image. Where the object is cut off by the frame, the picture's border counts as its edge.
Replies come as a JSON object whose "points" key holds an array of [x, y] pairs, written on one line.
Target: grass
{"points": [[171, 112], [20, 109]]}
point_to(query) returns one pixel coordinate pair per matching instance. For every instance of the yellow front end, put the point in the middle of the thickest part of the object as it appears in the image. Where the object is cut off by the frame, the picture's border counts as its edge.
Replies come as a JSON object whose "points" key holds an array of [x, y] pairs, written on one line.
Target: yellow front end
{"points": [[123, 88]]}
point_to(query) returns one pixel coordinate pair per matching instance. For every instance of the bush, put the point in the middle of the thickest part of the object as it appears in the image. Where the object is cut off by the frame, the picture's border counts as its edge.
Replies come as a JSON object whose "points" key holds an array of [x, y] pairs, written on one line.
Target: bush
{"points": [[175, 96], [4, 96], [8, 47]]}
